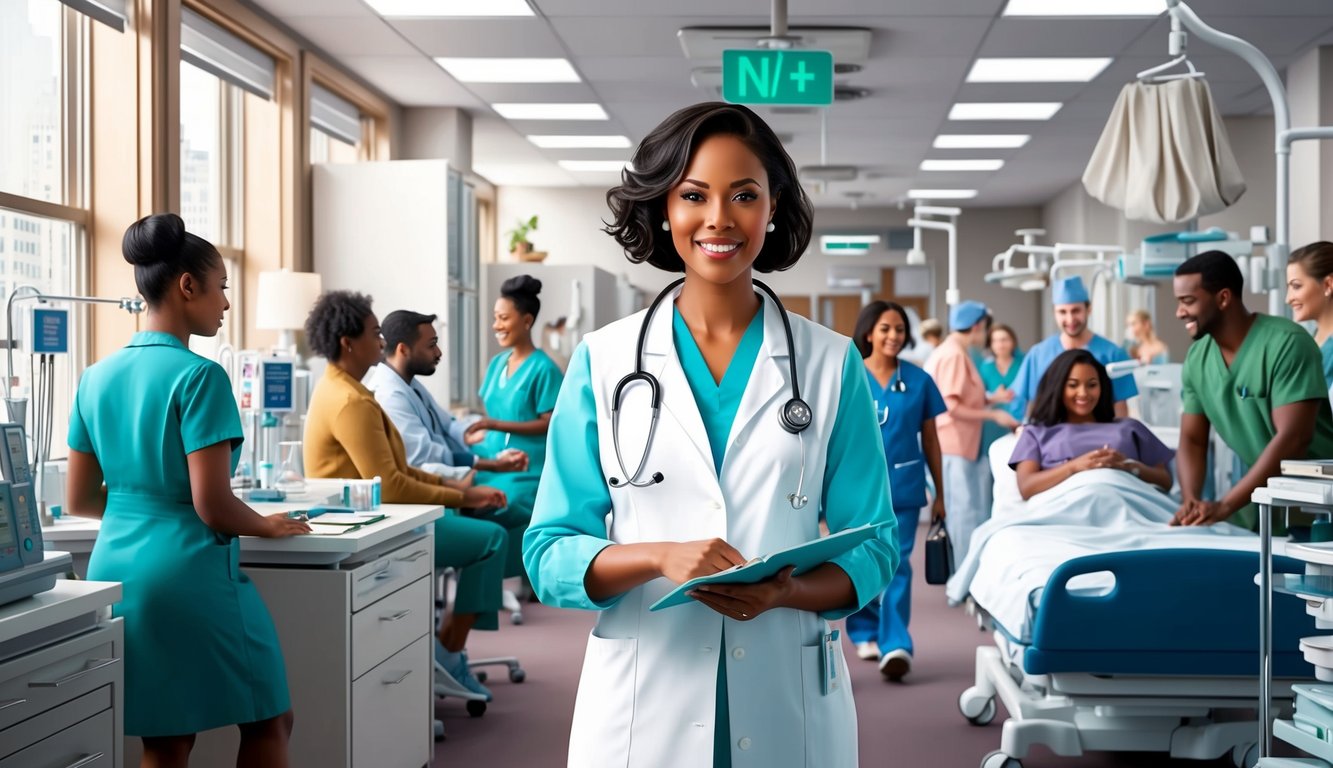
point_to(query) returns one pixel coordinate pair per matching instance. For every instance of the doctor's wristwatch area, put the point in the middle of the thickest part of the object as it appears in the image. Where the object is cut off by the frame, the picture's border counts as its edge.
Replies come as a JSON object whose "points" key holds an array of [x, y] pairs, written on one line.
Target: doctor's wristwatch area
{"points": [[795, 414]]}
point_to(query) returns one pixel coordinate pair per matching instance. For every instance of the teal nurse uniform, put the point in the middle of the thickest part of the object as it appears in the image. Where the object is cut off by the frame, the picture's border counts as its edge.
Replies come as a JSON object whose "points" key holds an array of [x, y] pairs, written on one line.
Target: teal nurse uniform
{"points": [[524, 396], [200, 647]]}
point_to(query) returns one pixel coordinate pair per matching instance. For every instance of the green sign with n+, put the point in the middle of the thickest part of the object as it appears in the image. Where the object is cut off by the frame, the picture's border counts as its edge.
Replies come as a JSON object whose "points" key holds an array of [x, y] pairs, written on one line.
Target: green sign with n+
{"points": [[777, 77]]}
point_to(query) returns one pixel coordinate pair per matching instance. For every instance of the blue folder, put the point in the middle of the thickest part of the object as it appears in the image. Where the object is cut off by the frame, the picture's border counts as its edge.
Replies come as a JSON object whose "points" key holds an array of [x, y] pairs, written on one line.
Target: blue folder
{"points": [[805, 557]]}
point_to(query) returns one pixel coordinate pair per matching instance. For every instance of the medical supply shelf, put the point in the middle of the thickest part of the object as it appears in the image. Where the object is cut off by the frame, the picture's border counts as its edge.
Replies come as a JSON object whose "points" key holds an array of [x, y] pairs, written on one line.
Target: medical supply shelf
{"points": [[354, 617], [61, 678], [1305, 586]]}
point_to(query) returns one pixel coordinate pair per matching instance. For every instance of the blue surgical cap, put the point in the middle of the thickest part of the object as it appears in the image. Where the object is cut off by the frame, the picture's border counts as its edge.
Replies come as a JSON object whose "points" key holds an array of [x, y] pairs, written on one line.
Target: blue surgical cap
{"points": [[966, 314], [1069, 291]]}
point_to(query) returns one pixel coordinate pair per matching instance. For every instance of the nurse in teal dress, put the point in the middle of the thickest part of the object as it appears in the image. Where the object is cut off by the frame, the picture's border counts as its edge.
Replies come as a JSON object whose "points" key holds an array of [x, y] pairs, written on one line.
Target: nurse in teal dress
{"points": [[518, 393], [734, 676], [998, 373], [154, 436], [1310, 295]]}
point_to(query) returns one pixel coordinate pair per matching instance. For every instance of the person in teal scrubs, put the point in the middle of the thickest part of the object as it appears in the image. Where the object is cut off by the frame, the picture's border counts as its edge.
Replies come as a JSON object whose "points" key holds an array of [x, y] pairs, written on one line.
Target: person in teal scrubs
{"points": [[714, 195], [998, 372], [154, 436], [906, 404], [1310, 296], [518, 393]]}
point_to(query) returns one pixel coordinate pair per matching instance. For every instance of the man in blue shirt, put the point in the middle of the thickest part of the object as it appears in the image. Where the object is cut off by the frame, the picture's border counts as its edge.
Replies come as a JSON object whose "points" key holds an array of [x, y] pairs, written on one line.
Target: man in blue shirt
{"points": [[433, 438], [1072, 305]]}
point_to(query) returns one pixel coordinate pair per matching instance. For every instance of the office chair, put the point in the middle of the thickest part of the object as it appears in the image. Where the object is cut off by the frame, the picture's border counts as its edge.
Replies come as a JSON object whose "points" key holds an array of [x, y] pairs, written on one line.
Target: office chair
{"points": [[444, 684]]}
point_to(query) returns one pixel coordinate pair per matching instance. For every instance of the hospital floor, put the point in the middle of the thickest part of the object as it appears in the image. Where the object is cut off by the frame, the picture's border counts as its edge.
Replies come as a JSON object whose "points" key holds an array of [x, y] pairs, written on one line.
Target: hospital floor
{"points": [[913, 725]]}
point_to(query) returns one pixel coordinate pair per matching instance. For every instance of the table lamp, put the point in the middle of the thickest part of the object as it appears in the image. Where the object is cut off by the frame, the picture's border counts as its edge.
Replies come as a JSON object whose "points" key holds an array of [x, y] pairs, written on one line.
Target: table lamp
{"points": [[285, 299]]}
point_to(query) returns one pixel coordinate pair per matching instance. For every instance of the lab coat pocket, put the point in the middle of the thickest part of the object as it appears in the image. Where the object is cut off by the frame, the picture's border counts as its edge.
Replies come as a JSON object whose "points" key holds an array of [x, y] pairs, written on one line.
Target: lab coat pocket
{"points": [[830, 719], [604, 709]]}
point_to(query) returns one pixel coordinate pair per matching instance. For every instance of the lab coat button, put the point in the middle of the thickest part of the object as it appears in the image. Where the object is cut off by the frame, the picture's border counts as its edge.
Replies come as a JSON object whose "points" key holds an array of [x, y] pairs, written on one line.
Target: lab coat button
{"points": [[739, 653], [713, 505], [744, 743]]}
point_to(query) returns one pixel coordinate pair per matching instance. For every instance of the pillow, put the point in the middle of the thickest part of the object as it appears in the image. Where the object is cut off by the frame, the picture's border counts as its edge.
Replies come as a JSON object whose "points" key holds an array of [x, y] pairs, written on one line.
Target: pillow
{"points": [[1006, 499]]}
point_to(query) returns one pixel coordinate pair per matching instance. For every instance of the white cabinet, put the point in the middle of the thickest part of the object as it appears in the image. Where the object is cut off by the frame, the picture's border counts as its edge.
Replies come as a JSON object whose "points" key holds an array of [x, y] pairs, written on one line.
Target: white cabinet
{"points": [[61, 679]]}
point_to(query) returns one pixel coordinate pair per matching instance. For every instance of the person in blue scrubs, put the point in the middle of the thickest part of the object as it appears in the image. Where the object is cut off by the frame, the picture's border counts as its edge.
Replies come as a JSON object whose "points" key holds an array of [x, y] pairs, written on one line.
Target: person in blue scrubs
{"points": [[712, 194], [154, 436], [1310, 296], [906, 404], [1072, 305], [518, 392]]}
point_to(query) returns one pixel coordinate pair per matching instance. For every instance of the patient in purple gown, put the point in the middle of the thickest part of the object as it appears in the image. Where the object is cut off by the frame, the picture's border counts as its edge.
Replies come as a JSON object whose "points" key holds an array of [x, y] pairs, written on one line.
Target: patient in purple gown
{"points": [[1073, 429]]}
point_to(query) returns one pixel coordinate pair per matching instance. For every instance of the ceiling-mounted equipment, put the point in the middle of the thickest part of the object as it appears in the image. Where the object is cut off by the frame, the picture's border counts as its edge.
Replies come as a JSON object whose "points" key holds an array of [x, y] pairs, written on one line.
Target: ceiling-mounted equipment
{"points": [[1031, 276], [920, 221], [825, 172], [849, 45]]}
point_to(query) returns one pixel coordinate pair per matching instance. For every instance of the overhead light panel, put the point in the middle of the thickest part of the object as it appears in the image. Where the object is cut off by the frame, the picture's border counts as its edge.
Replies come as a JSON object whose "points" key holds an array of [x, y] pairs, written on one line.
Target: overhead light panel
{"points": [[1085, 8], [941, 194], [495, 70], [594, 166], [551, 111], [443, 9], [1037, 70], [981, 141], [580, 142], [961, 165], [1005, 110]]}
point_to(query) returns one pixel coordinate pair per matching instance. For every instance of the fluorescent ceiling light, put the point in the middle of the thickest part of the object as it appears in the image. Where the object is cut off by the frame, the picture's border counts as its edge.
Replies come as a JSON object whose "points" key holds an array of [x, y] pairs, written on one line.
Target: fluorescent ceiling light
{"points": [[449, 8], [961, 165], [981, 141], [510, 70], [1005, 110], [1085, 8], [594, 166], [551, 111], [941, 194], [580, 142], [1037, 70]]}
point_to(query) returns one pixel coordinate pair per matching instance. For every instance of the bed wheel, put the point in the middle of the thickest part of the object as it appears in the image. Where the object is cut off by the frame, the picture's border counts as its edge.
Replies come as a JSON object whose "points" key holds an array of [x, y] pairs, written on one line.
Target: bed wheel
{"points": [[998, 759], [1245, 755], [979, 710]]}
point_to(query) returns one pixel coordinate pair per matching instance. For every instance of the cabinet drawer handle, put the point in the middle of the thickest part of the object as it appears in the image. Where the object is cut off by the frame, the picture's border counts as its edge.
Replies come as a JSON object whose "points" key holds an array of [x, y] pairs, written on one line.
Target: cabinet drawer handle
{"points": [[412, 558], [400, 678], [11, 703], [85, 760], [93, 666], [397, 616], [387, 573]]}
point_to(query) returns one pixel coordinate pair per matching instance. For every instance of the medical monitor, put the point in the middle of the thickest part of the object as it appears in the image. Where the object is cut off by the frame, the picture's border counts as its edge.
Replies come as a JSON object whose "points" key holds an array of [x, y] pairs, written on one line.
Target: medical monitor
{"points": [[10, 559]]}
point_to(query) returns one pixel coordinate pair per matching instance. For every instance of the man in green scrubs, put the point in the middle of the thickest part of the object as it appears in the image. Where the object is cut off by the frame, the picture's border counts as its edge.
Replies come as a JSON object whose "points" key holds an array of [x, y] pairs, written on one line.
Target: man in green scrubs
{"points": [[1256, 379]]}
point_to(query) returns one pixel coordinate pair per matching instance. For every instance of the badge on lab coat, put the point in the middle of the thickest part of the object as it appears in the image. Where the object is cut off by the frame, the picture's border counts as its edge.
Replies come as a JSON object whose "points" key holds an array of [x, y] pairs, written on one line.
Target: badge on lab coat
{"points": [[832, 652]]}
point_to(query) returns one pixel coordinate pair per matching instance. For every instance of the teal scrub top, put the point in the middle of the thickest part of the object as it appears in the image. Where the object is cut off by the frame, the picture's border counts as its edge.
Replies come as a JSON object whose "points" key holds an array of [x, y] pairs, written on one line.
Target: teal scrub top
{"points": [[909, 399], [526, 395], [993, 380]]}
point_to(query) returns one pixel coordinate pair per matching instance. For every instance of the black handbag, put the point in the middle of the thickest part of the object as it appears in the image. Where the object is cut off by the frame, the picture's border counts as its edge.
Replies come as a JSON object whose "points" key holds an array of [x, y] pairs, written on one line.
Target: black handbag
{"points": [[939, 554]]}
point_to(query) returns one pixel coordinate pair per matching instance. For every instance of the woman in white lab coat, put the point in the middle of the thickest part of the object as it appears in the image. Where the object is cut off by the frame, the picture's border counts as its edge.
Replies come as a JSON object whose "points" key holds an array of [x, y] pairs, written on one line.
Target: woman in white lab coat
{"points": [[745, 675]]}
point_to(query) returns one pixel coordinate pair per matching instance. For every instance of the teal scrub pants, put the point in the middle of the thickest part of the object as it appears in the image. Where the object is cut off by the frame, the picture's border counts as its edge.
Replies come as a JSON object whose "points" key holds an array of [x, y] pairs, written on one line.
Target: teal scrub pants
{"points": [[477, 549], [514, 520]]}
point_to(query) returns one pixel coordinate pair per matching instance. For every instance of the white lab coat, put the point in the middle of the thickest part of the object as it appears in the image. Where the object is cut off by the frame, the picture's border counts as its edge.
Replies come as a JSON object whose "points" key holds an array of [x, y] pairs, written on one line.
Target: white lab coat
{"points": [[648, 689]]}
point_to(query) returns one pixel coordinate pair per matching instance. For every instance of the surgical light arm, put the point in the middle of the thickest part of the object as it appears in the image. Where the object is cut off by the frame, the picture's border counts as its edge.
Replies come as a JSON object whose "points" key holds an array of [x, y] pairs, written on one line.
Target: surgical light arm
{"points": [[950, 227]]}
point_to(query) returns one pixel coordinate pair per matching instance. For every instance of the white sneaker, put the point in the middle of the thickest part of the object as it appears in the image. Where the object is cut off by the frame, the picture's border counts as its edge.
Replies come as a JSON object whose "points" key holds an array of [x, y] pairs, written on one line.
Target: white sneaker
{"points": [[867, 650], [895, 665]]}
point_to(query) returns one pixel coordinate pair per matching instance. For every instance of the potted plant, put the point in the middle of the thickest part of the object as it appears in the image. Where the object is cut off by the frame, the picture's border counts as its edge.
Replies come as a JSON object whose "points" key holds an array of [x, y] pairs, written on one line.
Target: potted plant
{"points": [[519, 245]]}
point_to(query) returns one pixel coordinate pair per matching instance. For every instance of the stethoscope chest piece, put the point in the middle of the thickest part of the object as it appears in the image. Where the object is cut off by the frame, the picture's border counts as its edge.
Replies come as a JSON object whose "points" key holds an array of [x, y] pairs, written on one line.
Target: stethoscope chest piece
{"points": [[795, 416]]}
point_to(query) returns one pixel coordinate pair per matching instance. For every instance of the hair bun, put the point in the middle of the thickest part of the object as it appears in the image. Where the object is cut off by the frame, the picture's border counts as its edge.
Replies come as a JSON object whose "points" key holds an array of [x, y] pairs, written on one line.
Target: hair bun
{"points": [[153, 239], [522, 285]]}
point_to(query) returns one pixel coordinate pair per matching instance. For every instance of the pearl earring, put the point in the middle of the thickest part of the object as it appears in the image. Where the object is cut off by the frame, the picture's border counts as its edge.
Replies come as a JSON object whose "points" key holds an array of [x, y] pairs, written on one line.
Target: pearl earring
{"points": [[666, 225], [771, 227]]}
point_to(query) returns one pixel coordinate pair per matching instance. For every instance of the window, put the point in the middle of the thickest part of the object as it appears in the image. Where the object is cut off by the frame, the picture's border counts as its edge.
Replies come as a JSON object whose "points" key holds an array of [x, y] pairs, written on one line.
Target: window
{"points": [[336, 128], [32, 90], [211, 150], [464, 311]]}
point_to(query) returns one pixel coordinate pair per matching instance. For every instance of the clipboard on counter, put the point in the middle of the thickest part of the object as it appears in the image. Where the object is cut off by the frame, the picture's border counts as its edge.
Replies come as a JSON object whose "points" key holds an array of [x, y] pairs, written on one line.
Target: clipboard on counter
{"points": [[805, 557], [338, 524]]}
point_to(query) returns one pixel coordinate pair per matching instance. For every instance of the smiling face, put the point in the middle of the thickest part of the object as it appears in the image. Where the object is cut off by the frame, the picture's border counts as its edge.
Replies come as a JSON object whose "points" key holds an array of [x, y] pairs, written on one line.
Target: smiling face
{"points": [[1002, 344], [1072, 319], [1306, 296], [1198, 309], [1082, 390], [720, 210], [207, 304], [510, 326], [888, 335]]}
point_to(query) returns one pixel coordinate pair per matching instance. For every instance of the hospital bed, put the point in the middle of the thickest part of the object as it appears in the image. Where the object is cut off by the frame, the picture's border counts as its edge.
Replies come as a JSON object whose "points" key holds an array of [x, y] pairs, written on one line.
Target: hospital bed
{"points": [[1150, 647]]}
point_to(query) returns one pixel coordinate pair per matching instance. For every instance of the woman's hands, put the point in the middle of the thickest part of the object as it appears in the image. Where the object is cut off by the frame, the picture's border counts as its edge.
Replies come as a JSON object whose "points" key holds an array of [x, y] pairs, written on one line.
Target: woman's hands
{"points": [[937, 509], [483, 497], [279, 526], [1101, 458], [682, 561], [476, 431], [1004, 419], [743, 602], [1001, 396]]}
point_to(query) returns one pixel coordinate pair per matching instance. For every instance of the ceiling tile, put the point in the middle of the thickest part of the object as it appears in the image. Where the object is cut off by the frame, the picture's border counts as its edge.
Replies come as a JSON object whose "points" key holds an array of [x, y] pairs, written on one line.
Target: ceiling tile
{"points": [[522, 37], [347, 36], [412, 81], [287, 9]]}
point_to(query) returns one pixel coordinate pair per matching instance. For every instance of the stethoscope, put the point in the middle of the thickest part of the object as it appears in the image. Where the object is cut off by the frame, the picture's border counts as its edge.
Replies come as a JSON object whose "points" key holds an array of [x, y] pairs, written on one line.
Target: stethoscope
{"points": [[896, 384], [794, 416]]}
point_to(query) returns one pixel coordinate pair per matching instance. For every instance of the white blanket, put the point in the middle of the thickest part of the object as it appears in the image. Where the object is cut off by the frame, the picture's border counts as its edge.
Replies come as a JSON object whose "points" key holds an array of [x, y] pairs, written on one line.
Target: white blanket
{"points": [[1104, 510]]}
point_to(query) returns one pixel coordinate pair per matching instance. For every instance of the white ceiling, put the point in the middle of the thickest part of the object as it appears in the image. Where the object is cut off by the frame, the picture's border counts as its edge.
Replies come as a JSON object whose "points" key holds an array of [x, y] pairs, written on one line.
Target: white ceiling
{"points": [[632, 63]]}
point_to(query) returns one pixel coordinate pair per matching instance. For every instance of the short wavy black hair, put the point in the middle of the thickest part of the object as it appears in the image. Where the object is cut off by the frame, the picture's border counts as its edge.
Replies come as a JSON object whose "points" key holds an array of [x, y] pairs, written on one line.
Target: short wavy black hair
{"points": [[865, 323], [1048, 409], [336, 314], [638, 205]]}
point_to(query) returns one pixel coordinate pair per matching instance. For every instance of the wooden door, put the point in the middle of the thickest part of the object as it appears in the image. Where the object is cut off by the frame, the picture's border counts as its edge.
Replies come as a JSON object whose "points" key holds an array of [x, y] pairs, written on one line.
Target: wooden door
{"points": [[887, 288], [797, 305], [840, 312]]}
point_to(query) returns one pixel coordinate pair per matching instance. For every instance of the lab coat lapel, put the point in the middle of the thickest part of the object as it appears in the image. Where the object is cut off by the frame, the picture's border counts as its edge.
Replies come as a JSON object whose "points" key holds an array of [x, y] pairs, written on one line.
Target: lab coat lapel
{"points": [[661, 360], [768, 380]]}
